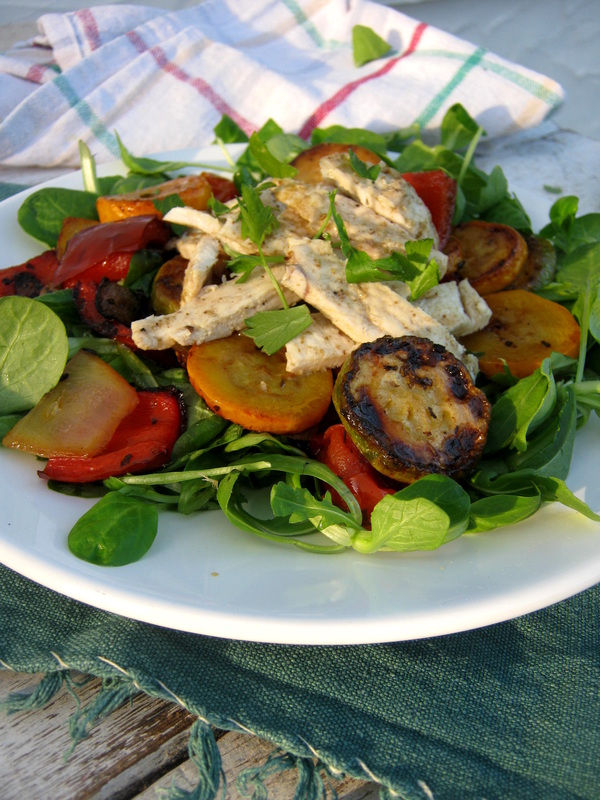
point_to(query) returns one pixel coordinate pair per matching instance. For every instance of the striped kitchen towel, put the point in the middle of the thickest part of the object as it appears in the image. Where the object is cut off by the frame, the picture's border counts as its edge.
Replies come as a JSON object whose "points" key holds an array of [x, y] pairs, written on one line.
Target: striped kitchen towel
{"points": [[162, 80]]}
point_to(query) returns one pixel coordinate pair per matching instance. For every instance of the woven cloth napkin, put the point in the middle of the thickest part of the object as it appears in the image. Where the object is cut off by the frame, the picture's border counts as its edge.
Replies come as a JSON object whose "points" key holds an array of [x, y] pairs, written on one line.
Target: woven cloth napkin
{"points": [[510, 711], [163, 79]]}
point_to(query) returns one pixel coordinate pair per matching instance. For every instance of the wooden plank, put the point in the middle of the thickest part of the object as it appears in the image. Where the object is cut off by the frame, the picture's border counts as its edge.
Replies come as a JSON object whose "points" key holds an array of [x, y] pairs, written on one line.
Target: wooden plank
{"points": [[128, 750], [134, 754]]}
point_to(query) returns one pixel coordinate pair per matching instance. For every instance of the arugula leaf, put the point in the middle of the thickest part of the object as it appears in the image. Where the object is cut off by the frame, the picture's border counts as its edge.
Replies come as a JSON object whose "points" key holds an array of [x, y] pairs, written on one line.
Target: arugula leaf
{"points": [[479, 195], [367, 45], [217, 207], [88, 169], [248, 170], [527, 483], [458, 129], [153, 166], [521, 409], [228, 131], [299, 504], [376, 142], [550, 449], [286, 146], [271, 330], [142, 268], [496, 511], [568, 231]]}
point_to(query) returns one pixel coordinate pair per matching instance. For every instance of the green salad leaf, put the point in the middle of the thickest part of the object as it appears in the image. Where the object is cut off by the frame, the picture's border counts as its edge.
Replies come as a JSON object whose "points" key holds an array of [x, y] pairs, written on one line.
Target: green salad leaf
{"points": [[367, 45], [33, 352]]}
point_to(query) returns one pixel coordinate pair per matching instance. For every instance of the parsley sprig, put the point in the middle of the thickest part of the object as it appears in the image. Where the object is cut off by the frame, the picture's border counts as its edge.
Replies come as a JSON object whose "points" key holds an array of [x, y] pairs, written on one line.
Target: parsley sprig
{"points": [[270, 330]]}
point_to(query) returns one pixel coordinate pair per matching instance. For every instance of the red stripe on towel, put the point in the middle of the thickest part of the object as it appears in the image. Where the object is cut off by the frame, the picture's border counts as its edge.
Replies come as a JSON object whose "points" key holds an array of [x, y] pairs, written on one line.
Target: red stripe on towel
{"points": [[36, 73], [201, 86], [90, 28]]}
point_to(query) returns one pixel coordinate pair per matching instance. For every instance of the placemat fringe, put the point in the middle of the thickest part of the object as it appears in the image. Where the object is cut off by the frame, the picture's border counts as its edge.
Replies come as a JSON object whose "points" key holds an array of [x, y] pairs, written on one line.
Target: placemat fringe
{"points": [[47, 688]]}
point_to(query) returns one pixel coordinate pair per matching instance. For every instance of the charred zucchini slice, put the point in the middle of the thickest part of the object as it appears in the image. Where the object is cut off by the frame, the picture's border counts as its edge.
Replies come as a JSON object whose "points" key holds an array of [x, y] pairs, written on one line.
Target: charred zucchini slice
{"points": [[411, 408]]}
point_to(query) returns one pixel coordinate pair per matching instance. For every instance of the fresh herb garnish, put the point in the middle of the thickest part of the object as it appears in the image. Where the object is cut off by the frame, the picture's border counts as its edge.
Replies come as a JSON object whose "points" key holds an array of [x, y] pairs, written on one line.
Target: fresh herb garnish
{"points": [[414, 267], [368, 171], [270, 330]]}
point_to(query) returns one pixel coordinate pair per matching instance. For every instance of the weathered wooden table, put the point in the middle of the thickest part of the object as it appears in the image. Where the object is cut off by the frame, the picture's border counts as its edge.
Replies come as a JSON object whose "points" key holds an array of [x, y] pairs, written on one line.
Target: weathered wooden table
{"points": [[134, 753]]}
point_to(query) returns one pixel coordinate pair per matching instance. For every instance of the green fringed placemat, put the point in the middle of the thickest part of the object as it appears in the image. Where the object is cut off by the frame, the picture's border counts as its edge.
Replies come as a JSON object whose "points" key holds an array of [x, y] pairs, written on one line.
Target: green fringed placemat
{"points": [[509, 711]]}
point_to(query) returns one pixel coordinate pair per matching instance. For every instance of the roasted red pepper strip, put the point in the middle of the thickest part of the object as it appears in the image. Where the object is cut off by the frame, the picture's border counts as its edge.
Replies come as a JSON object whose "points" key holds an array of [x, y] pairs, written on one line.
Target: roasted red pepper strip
{"points": [[28, 279], [337, 451], [222, 188], [437, 190], [115, 268], [84, 296], [93, 246], [142, 442]]}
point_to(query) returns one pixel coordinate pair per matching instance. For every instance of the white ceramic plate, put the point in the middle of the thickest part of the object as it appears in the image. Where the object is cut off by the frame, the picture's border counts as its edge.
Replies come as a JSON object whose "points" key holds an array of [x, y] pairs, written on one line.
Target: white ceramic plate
{"points": [[204, 576]]}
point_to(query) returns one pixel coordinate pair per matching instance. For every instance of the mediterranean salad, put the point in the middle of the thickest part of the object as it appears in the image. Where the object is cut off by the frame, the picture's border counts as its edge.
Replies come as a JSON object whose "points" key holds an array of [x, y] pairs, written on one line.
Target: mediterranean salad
{"points": [[354, 342]]}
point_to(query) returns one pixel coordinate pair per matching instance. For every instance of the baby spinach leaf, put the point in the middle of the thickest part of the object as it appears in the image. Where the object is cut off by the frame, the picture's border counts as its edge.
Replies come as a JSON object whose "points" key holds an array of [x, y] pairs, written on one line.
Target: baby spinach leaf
{"points": [[119, 529], [8, 421], [33, 352], [42, 213], [422, 516], [62, 303]]}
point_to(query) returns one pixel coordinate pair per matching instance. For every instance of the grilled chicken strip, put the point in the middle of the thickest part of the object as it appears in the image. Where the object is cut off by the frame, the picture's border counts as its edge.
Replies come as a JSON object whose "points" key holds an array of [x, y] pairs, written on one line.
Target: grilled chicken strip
{"points": [[389, 195], [218, 311]]}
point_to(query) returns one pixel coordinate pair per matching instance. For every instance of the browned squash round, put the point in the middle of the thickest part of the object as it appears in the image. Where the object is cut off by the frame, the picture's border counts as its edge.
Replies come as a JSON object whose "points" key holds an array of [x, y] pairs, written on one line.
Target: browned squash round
{"points": [[253, 389]]}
